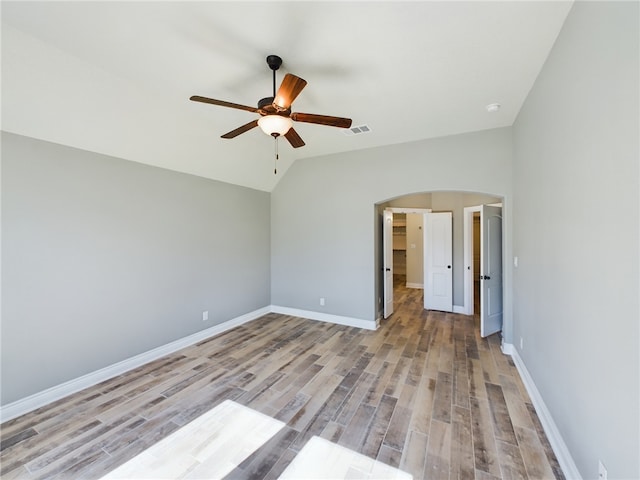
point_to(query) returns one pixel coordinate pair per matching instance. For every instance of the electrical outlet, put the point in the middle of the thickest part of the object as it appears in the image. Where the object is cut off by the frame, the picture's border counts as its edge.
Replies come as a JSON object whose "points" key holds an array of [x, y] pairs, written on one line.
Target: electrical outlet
{"points": [[205, 315], [602, 471], [322, 301]]}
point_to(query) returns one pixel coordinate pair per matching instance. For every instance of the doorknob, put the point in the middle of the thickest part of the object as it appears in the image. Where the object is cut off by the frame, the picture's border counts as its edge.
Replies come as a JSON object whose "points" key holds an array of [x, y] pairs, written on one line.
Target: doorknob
{"points": [[448, 266], [388, 269], [485, 277]]}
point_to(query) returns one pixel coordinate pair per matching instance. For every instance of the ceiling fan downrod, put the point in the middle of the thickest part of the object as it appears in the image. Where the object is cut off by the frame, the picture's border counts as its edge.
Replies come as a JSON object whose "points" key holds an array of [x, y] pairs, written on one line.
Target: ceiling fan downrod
{"points": [[274, 62]]}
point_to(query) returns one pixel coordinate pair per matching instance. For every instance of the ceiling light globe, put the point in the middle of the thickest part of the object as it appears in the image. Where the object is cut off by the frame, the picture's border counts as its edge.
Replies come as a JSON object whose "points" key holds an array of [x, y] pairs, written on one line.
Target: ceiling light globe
{"points": [[275, 125]]}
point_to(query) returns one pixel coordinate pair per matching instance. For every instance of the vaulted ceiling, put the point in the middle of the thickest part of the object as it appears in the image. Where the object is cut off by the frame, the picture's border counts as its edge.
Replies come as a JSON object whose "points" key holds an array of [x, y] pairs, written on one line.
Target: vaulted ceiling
{"points": [[116, 77]]}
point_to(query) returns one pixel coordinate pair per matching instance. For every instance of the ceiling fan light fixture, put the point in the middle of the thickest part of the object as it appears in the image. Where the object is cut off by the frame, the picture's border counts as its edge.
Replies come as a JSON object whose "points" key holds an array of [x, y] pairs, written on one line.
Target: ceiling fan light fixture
{"points": [[275, 125], [275, 116]]}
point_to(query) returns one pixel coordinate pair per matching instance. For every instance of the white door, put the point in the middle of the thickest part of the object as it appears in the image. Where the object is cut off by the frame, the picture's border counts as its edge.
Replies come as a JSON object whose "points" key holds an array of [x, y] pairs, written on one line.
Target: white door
{"points": [[438, 271], [387, 248], [490, 270]]}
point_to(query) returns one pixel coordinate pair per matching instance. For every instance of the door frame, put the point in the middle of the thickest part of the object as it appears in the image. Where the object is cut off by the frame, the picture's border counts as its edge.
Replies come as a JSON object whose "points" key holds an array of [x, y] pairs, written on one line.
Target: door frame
{"points": [[396, 210], [467, 308]]}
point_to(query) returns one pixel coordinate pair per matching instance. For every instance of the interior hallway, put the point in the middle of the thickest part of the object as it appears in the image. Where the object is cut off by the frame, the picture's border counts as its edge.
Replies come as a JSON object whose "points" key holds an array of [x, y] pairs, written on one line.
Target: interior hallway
{"points": [[424, 393]]}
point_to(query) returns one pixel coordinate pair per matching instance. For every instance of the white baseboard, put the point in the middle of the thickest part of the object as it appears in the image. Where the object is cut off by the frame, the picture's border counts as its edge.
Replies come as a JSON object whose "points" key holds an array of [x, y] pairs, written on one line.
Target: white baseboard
{"points": [[414, 285], [40, 399], [325, 317], [563, 455], [37, 400], [508, 349], [459, 309]]}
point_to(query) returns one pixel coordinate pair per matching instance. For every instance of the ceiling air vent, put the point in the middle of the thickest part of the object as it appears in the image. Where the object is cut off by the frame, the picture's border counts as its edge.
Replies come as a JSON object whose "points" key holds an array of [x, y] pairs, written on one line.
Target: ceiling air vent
{"points": [[356, 130]]}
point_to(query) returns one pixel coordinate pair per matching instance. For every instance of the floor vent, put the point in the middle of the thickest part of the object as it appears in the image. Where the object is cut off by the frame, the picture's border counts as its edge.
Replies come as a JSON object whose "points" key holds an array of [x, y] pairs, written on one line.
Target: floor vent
{"points": [[356, 130]]}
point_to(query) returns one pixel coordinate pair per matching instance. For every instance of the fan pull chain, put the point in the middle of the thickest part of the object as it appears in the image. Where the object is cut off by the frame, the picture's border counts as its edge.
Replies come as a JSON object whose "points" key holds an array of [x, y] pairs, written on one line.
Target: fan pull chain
{"points": [[275, 170]]}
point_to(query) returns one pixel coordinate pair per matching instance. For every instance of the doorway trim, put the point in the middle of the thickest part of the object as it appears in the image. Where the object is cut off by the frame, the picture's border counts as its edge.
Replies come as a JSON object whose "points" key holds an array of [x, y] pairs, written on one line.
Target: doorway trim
{"points": [[467, 307]]}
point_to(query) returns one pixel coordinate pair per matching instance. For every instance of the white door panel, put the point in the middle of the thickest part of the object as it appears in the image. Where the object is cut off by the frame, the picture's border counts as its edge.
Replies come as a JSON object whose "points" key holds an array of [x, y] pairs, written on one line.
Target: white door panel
{"points": [[438, 254], [491, 270], [387, 247]]}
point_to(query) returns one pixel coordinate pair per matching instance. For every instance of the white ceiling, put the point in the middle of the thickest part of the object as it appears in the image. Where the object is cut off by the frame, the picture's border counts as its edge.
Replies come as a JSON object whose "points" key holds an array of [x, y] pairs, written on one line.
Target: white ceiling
{"points": [[116, 77]]}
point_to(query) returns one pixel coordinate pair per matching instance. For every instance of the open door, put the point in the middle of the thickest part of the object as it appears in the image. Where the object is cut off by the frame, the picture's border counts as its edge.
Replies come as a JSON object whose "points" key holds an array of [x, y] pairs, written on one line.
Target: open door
{"points": [[438, 255], [387, 248], [490, 270]]}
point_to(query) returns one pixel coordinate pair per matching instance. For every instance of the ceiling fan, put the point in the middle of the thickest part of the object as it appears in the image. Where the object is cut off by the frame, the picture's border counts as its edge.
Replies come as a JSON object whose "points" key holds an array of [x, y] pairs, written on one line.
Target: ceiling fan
{"points": [[276, 118]]}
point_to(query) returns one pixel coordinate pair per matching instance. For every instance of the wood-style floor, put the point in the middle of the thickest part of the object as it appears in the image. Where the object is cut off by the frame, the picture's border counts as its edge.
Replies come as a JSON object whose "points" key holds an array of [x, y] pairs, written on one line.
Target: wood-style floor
{"points": [[424, 393]]}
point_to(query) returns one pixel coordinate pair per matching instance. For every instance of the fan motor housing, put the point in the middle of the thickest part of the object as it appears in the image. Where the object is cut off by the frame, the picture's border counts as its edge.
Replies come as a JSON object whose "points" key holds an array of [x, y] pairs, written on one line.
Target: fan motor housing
{"points": [[265, 102], [265, 106]]}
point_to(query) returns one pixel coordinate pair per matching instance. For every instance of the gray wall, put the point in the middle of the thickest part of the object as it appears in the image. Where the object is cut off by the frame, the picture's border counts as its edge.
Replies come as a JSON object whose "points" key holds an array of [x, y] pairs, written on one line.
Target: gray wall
{"points": [[414, 200], [576, 236], [415, 255], [103, 259], [325, 222]]}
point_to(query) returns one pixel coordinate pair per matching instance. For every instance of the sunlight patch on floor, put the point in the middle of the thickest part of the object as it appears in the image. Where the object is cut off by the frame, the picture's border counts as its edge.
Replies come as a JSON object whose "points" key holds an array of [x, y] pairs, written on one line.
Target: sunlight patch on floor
{"points": [[214, 444], [321, 459], [210, 446]]}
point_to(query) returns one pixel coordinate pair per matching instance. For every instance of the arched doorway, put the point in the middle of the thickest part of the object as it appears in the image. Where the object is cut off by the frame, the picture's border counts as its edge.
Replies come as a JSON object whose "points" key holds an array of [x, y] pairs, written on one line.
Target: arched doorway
{"points": [[462, 269]]}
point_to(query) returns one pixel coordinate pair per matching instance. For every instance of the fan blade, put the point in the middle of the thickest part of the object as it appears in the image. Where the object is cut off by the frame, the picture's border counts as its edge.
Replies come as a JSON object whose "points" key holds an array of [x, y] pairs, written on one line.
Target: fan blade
{"points": [[239, 130], [290, 88], [222, 103], [321, 119], [294, 138]]}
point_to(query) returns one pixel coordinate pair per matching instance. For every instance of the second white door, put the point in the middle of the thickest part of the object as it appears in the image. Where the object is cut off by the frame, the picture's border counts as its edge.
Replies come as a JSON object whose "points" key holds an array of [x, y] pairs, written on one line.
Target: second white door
{"points": [[438, 255]]}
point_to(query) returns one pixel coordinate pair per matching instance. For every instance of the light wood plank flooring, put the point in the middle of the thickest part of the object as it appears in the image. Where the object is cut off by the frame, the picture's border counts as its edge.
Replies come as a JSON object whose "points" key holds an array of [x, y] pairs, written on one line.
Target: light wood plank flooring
{"points": [[424, 393]]}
